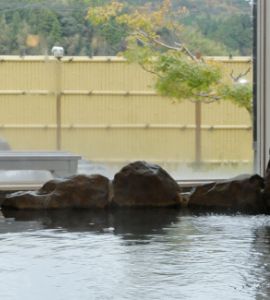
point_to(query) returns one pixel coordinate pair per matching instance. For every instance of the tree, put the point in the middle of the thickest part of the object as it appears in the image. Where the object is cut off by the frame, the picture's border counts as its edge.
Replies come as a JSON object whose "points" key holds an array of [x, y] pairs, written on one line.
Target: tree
{"points": [[236, 32], [154, 41], [4, 35], [62, 21]]}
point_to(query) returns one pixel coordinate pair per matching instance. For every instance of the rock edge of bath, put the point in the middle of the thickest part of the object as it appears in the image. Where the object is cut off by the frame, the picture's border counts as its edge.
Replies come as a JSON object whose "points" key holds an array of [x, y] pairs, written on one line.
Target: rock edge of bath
{"points": [[141, 184]]}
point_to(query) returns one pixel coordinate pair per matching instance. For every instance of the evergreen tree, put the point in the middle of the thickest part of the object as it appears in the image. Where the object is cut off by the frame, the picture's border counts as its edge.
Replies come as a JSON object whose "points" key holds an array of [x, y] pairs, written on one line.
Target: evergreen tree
{"points": [[218, 27]]}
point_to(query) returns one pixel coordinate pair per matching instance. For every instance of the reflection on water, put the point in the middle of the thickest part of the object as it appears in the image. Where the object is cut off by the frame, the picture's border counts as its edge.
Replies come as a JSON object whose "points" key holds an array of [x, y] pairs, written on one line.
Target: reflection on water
{"points": [[133, 254]]}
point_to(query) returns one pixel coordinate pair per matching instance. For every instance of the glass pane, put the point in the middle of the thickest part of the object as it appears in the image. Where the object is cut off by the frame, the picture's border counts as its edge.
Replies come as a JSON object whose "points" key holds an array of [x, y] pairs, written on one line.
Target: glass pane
{"points": [[93, 103]]}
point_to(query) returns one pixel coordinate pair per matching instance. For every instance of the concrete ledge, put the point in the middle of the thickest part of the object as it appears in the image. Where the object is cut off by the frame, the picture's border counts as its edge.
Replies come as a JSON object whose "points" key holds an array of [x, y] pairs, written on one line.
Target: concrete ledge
{"points": [[59, 163]]}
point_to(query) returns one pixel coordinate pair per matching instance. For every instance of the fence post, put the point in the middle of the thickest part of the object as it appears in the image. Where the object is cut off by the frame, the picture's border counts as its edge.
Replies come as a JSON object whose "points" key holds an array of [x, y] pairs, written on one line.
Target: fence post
{"points": [[58, 103], [198, 135]]}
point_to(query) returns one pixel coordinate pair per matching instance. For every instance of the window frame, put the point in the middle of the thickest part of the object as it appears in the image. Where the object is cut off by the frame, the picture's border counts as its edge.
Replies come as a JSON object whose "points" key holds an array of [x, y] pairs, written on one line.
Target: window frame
{"points": [[261, 88]]}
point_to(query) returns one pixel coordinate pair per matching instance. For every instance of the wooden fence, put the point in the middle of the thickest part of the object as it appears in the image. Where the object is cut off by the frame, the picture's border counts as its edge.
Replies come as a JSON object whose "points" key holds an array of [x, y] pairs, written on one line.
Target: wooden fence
{"points": [[107, 111]]}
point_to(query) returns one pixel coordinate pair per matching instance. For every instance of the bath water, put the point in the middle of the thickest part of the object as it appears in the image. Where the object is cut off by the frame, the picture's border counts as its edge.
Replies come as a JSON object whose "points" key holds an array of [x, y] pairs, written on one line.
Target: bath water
{"points": [[133, 254]]}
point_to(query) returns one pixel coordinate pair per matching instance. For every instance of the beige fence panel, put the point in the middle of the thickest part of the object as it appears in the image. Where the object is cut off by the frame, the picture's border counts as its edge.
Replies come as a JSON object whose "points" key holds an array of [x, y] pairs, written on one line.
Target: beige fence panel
{"points": [[109, 112]]}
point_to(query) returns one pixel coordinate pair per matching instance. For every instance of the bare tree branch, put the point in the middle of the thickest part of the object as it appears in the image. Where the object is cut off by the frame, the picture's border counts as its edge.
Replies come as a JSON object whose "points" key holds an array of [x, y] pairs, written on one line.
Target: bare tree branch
{"points": [[149, 71], [179, 47], [239, 76], [187, 51], [209, 98]]}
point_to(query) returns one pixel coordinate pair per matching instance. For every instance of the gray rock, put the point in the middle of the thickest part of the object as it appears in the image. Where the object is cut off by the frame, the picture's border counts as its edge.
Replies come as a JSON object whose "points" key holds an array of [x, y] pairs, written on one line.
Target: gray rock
{"points": [[242, 193], [78, 191], [266, 192], [141, 184]]}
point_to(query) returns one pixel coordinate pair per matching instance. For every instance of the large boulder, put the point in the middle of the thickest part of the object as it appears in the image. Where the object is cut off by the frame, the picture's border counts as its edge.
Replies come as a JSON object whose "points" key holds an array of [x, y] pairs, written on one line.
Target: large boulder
{"points": [[141, 184], [78, 191], [242, 193]]}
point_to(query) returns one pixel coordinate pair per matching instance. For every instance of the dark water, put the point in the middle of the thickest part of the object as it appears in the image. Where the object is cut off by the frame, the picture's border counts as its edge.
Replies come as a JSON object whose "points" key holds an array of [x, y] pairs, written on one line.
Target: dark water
{"points": [[141, 254]]}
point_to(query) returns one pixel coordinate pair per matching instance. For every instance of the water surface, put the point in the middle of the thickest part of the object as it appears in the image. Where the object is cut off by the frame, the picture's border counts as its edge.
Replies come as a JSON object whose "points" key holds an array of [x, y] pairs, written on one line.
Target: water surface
{"points": [[140, 254]]}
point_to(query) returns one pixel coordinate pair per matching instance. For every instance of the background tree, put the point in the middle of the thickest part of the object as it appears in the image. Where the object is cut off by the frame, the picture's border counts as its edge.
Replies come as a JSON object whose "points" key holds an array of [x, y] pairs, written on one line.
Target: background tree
{"points": [[154, 40], [63, 22]]}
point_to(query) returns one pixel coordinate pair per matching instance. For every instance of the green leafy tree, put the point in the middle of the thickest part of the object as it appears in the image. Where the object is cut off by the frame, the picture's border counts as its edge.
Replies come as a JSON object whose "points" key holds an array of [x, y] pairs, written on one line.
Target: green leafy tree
{"points": [[236, 32], [180, 74], [4, 35]]}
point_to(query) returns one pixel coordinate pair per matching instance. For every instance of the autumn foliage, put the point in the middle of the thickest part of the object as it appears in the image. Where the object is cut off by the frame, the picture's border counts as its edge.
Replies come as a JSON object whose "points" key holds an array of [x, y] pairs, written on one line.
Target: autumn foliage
{"points": [[154, 41]]}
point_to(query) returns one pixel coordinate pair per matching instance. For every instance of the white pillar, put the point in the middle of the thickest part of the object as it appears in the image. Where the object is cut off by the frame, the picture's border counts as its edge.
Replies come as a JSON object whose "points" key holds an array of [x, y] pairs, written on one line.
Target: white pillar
{"points": [[262, 85]]}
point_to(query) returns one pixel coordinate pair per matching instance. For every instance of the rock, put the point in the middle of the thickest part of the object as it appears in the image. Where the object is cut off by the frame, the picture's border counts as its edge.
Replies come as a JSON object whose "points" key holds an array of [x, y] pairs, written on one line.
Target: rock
{"points": [[78, 191], [2, 196], [25, 200], [266, 192], [141, 184], [242, 193]]}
